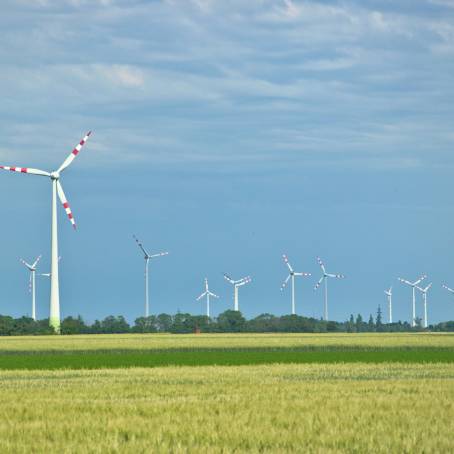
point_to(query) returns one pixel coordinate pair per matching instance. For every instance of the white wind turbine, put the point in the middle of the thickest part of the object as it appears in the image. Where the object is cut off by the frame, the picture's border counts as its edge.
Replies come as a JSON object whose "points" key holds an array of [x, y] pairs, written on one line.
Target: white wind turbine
{"points": [[54, 315], [291, 276], [207, 293], [389, 295], [147, 258], [236, 285], [31, 284], [424, 298], [413, 286], [325, 277]]}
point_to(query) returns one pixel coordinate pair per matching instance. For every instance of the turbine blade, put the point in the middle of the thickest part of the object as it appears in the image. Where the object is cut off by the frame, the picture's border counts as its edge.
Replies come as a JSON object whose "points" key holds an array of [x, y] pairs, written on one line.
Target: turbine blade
{"points": [[30, 283], [405, 281], [228, 278], [139, 243], [285, 282], [30, 267], [420, 279], [65, 203], [287, 262], [302, 274], [26, 170], [201, 296], [73, 153], [45, 274], [338, 276], [160, 254], [317, 285], [321, 265], [213, 294], [448, 288], [36, 262]]}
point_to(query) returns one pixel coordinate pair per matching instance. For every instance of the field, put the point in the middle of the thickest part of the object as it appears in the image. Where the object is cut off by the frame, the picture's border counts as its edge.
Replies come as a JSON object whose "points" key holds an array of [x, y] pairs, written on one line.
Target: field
{"points": [[343, 399]]}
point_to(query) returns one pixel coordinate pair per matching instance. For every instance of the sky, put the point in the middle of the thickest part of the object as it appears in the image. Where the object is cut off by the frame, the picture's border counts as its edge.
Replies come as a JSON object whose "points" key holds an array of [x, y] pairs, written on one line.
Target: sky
{"points": [[229, 133]]}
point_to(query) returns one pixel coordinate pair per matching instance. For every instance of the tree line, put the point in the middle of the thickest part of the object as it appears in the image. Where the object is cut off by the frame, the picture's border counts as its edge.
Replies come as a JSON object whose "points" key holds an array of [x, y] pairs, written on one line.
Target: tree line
{"points": [[226, 322]]}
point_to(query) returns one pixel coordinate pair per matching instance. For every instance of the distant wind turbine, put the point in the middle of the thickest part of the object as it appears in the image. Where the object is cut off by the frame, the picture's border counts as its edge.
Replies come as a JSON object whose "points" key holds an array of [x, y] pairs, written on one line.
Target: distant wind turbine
{"points": [[389, 294], [54, 318], [291, 276], [325, 277], [147, 258], [236, 285], [413, 286], [31, 282], [207, 293], [424, 298]]}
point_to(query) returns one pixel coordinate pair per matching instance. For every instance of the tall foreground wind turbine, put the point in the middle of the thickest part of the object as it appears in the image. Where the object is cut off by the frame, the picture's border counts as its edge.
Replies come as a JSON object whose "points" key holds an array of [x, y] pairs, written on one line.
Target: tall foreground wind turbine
{"points": [[291, 276], [236, 285], [147, 258], [207, 293], [424, 298], [54, 316], [389, 295], [413, 286], [324, 278], [31, 285]]}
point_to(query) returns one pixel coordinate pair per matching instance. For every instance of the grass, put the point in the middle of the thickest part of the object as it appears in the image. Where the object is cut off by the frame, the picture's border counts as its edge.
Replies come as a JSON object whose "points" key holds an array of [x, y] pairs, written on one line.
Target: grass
{"points": [[385, 408], [142, 358]]}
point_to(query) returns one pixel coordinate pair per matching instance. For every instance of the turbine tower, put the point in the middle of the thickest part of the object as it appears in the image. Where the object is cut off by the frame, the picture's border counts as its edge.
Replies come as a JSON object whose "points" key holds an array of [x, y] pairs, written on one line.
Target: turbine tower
{"points": [[291, 276], [207, 293], [413, 286], [147, 258], [236, 285], [389, 294], [324, 278], [424, 298], [57, 189], [31, 284]]}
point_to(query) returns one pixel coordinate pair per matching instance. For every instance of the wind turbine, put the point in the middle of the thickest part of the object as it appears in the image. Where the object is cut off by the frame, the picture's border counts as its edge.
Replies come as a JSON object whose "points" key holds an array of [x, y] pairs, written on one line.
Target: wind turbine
{"points": [[31, 285], [54, 316], [292, 275], [236, 285], [325, 277], [424, 297], [389, 294], [413, 286], [207, 293], [147, 258]]}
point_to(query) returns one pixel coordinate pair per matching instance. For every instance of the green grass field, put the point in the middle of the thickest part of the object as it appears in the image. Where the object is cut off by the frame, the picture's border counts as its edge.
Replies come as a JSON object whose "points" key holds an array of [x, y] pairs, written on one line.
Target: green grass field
{"points": [[249, 393]]}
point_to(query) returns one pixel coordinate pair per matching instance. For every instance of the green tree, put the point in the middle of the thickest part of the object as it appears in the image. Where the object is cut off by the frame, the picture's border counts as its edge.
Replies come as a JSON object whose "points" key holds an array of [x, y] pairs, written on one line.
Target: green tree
{"points": [[112, 324], [231, 321], [371, 324], [359, 324], [378, 320], [145, 325], [71, 325], [164, 323]]}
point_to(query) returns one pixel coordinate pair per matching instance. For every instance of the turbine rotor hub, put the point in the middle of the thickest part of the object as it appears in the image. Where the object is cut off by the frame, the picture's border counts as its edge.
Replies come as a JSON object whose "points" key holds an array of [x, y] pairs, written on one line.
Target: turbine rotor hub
{"points": [[55, 175]]}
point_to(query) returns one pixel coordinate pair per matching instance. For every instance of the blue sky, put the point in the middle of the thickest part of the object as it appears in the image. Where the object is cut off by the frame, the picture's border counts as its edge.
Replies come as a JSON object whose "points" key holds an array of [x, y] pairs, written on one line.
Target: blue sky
{"points": [[228, 133]]}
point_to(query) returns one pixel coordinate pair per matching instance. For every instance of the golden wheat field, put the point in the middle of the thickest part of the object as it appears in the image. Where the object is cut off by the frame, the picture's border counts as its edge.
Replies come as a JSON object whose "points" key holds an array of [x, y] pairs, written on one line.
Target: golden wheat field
{"points": [[292, 408], [225, 341]]}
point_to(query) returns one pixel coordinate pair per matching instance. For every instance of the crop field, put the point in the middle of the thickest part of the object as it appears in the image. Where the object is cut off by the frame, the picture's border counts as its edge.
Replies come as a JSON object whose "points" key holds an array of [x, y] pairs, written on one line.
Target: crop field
{"points": [[228, 393]]}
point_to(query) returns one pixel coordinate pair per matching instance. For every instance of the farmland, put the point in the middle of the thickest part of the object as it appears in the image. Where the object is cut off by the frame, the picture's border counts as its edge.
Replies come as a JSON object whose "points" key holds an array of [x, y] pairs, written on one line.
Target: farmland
{"points": [[355, 403]]}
